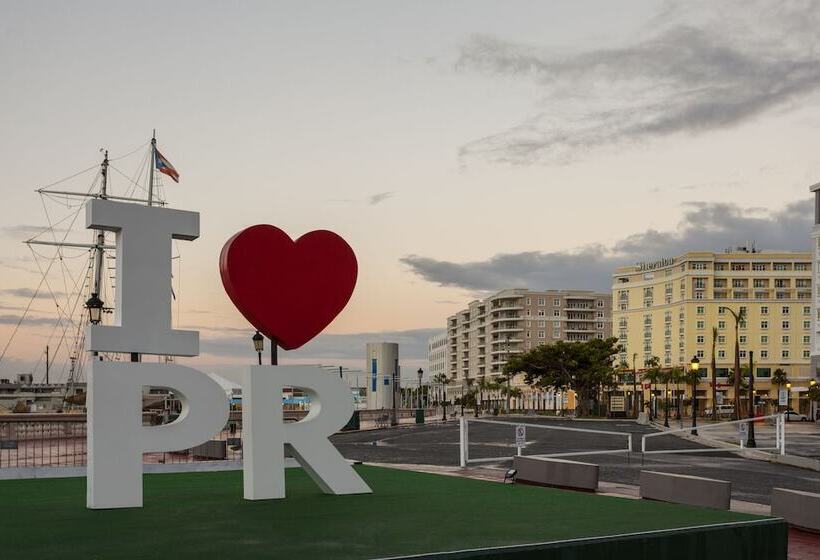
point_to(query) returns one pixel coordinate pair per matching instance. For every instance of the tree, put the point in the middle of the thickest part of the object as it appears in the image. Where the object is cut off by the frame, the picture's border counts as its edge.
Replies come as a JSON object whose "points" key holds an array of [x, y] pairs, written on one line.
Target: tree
{"points": [[714, 375], [653, 375], [739, 317], [584, 367], [779, 379]]}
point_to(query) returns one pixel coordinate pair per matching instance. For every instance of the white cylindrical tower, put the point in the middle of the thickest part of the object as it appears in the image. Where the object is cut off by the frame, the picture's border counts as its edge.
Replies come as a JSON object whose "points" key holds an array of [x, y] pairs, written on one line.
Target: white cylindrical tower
{"points": [[382, 367]]}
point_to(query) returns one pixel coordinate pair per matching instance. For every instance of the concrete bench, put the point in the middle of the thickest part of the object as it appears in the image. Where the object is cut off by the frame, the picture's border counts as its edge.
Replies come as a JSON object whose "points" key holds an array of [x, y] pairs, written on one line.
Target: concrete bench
{"points": [[560, 473], [214, 449], [801, 509], [686, 489]]}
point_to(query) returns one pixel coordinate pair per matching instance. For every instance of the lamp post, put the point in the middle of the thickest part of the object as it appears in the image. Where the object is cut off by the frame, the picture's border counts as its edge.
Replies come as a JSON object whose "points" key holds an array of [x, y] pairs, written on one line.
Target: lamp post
{"points": [[750, 441], [694, 366], [666, 409], [420, 372], [258, 345], [788, 398], [813, 409], [635, 400], [95, 310]]}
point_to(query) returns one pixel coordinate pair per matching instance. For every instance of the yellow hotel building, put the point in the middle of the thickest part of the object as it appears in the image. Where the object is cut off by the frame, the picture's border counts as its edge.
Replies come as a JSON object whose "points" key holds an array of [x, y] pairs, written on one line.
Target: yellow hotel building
{"points": [[668, 308]]}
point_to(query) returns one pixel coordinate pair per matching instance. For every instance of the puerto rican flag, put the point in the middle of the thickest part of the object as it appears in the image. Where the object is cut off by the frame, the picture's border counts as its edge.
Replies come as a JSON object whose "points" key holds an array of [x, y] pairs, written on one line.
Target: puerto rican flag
{"points": [[164, 166]]}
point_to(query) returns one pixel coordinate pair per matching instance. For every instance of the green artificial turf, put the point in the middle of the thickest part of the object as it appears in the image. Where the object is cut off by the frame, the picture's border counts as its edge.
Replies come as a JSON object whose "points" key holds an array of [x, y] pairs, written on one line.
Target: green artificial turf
{"points": [[202, 515]]}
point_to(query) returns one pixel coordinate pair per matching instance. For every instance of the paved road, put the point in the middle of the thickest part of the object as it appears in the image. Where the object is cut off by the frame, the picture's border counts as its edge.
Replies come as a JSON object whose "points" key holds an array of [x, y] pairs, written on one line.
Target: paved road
{"points": [[437, 444]]}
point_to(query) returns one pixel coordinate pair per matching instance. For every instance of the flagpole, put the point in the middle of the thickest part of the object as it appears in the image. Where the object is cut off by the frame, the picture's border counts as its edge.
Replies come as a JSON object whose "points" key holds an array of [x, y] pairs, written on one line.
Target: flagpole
{"points": [[151, 168]]}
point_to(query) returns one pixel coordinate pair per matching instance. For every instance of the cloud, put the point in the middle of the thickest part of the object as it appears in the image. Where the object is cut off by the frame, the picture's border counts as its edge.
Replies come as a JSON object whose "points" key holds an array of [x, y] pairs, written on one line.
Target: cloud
{"points": [[14, 319], [327, 348], [696, 67], [705, 226], [379, 197], [28, 293]]}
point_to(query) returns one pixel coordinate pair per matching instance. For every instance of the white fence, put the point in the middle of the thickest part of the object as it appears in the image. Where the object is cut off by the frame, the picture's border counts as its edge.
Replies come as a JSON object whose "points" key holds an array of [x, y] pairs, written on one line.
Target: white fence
{"points": [[464, 441], [779, 431]]}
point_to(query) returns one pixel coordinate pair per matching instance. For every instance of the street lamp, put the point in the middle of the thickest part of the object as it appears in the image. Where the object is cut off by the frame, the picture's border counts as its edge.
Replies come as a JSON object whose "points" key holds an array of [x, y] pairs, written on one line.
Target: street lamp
{"points": [[420, 372], [694, 366], [666, 408], [788, 399], [95, 309], [258, 345]]}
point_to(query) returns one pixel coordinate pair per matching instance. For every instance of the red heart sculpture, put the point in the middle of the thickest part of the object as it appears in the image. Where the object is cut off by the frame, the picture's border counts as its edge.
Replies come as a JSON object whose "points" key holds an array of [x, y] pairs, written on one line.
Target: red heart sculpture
{"points": [[289, 290]]}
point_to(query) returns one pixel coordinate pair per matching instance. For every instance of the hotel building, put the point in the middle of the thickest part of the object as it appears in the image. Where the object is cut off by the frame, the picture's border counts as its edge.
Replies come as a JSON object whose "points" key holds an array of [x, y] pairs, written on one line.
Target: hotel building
{"points": [[481, 337], [668, 308]]}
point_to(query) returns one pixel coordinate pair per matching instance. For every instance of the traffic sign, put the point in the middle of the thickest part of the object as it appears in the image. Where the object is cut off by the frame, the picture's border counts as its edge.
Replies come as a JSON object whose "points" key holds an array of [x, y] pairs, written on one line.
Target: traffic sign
{"points": [[520, 435]]}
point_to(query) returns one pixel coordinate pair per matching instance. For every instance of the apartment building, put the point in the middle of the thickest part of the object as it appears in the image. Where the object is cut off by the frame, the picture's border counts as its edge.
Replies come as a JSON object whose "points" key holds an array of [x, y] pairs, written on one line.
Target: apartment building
{"points": [[481, 337], [437, 355], [815, 238], [669, 307]]}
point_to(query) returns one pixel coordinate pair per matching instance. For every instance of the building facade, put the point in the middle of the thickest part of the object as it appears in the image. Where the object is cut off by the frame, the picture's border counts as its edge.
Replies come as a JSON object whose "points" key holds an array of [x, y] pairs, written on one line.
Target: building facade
{"points": [[437, 355], [815, 239], [483, 336], [668, 309]]}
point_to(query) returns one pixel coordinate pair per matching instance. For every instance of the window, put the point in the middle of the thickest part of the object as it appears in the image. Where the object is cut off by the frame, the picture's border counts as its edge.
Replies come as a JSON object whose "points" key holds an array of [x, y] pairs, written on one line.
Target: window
{"points": [[600, 336], [541, 313], [556, 334], [700, 324], [742, 339], [527, 313], [785, 339], [541, 334], [721, 354], [764, 310], [698, 266], [763, 372], [599, 303], [600, 314], [721, 311], [764, 325], [764, 339], [806, 325], [556, 302], [700, 339], [540, 301], [758, 266], [764, 354], [784, 324], [806, 310], [780, 266], [556, 313], [528, 334], [742, 354], [701, 310], [721, 324], [784, 310], [721, 339], [807, 353], [801, 266], [529, 301], [784, 354], [600, 326], [806, 339]]}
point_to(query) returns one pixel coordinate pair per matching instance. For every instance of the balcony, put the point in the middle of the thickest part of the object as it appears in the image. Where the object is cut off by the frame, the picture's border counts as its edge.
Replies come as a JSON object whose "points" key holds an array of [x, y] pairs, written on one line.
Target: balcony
{"points": [[507, 329]]}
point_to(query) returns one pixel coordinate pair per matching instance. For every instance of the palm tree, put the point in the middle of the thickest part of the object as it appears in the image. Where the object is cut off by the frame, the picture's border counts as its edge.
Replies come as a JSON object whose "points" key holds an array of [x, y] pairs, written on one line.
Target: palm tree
{"points": [[714, 375], [779, 379], [653, 375], [739, 317]]}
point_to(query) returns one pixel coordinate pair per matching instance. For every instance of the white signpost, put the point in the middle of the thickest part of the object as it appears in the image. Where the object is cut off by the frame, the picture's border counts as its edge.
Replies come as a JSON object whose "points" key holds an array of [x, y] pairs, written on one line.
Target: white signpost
{"points": [[142, 324], [520, 437], [783, 397]]}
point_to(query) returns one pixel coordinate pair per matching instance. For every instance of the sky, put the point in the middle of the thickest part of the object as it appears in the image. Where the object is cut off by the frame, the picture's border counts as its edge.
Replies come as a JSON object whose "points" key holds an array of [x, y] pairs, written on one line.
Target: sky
{"points": [[459, 147]]}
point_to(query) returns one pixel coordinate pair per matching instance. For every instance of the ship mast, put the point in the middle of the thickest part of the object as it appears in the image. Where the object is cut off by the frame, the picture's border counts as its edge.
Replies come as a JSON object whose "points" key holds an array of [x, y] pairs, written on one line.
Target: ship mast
{"points": [[151, 168]]}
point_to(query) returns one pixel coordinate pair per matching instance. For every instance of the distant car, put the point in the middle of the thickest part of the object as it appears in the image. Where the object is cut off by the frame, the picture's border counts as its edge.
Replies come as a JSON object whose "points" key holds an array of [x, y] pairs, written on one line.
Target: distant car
{"points": [[723, 410], [793, 416]]}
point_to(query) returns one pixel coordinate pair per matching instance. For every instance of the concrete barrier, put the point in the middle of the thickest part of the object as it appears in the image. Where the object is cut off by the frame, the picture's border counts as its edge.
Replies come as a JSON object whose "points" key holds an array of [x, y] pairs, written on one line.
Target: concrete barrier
{"points": [[686, 489], [801, 509], [559, 473]]}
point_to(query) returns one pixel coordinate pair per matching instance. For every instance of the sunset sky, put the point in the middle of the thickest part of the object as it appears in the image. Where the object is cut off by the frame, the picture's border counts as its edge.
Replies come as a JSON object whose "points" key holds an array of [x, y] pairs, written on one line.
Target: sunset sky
{"points": [[459, 147]]}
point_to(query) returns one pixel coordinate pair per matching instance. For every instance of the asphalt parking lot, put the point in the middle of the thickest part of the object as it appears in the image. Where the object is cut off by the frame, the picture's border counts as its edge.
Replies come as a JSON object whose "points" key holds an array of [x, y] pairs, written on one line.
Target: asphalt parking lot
{"points": [[438, 444]]}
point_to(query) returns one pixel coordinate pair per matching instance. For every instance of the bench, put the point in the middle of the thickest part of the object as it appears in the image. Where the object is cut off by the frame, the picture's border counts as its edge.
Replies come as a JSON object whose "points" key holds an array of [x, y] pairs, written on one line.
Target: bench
{"points": [[558, 473], [798, 508], [686, 489], [214, 449]]}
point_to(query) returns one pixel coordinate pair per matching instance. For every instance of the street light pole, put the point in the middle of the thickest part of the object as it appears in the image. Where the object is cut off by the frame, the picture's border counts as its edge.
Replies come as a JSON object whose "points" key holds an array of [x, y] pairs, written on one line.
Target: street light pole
{"points": [[420, 372], [750, 441], [694, 365], [666, 407], [788, 399], [635, 400], [258, 345]]}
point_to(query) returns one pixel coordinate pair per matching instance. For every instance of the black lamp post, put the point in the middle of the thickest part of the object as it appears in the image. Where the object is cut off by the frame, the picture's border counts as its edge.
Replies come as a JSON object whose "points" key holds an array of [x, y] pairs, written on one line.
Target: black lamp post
{"points": [[788, 399], [694, 366], [750, 441], [420, 372], [95, 309], [666, 409], [258, 345]]}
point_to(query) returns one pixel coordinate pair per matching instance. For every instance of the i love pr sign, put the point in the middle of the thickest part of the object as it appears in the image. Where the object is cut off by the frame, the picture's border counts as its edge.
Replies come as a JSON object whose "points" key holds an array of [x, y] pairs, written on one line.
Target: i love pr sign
{"points": [[289, 290]]}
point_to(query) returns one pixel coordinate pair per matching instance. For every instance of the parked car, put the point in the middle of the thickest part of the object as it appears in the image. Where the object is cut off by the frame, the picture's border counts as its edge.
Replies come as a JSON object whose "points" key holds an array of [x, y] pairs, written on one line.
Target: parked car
{"points": [[723, 410], [792, 416]]}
